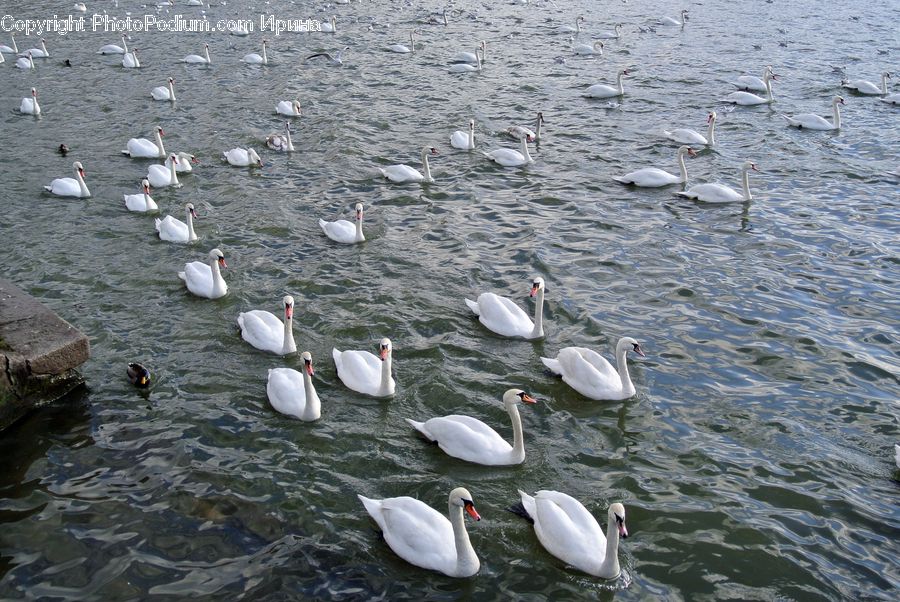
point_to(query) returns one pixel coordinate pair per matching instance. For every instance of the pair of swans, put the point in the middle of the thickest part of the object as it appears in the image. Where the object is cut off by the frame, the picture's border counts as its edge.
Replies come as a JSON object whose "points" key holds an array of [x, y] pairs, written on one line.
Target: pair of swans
{"points": [[289, 108], [863, 86], [366, 372], [605, 91], [205, 279], [508, 157], [30, 106], [749, 99], [719, 193], [166, 92], [196, 59], [502, 316], [143, 148], [175, 230], [466, 67], [240, 157], [401, 49], [404, 173], [592, 375], [26, 62], [689, 136], [811, 121], [162, 176], [472, 440], [673, 21], [141, 203], [256, 59], [751, 83], [281, 142], [70, 186], [114, 49], [292, 393], [38, 53], [464, 140], [185, 160], [653, 177], [344, 231], [517, 131], [266, 332], [130, 60]]}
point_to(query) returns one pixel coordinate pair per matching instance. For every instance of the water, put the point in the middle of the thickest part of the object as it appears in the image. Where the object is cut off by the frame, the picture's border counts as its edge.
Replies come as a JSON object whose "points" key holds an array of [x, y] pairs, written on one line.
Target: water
{"points": [[755, 460]]}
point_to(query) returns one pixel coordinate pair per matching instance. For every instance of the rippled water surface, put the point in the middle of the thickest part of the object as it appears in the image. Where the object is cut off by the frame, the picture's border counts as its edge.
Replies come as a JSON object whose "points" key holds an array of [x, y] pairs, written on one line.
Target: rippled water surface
{"points": [[755, 461]]}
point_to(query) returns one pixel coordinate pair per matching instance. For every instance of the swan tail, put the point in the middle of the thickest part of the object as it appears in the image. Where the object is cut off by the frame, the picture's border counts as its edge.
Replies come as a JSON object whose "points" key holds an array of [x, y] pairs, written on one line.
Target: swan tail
{"points": [[158, 223], [473, 306], [623, 181], [419, 426], [552, 365], [323, 224], [182, 276], [520, 509], [48, 188], [336, 356], [127, 153], [686, 194], [897, 454]]}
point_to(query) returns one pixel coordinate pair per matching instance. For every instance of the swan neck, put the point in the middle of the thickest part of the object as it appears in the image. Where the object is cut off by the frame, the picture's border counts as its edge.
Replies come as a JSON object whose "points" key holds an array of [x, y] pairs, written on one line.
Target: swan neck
{"points": [[359, 232], [622, 368], [265, 58], [619, 84], [682, 167], [206, 54], [124, 45], [837, 114], [471, 144], [425, 166], [290, 143], [609, 569], [745, 182], [883, 84], [191, 235], [313, 408], [518, 448], [159, 143], [538, 315], [81, 185], [466, 560], [173, 175], [288, 345], [711, 133], [218, 282], [171, 91], [769, 96], [412, 43], [385, 386], [537, 130]]}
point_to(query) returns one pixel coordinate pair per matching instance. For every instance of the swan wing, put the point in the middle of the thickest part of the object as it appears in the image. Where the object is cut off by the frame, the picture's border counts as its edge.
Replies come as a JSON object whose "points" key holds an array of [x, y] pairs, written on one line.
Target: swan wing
{"points": [[172, 229], [262, 330], [568, 531], [712, 193], [502, 316], [402, 173], [285, 391], [506, 157], [750, 82], [469, 439], [339, 231], [141, 147], [586, 366], [601, 91], [359, 370], [686, 136], [459, 139], [64, 187], [649, 177], [198, 278], [809, 121], [238, 157], [744, 98]]}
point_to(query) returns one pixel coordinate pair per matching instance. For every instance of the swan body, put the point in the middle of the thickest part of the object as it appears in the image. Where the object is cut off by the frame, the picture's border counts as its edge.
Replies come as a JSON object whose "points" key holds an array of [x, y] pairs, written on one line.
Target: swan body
{"points": [[866, 87], [292, 393], [365, 372], [814, 122], [470, 57], [14, 49], [464, 140], [404, 173], [291, 108], [196, 59], [205, 279], [516, 131], [592, 375], [673, 21], [688, 136], [423, 537], [256, 59], [751, 83], [329, 27], [130, 60], [166, 92], [79, 7], [748, 99], [893, 99], [588, 49], [39, 53], [508, 157], [604, 91], [281, 142], [718, 193], [344, 231], [141, 203], [568, 531], [653, 177], [26, 62], [239, 29], [466, 67], [161, 176], [143, 148], [611, 35], [113, 48], [472, 440], [240, 157], [505, 318], [401, 49], [185, 160], [175, 230], [30, 106], [266, 332], [570, 29], [70, 186]]}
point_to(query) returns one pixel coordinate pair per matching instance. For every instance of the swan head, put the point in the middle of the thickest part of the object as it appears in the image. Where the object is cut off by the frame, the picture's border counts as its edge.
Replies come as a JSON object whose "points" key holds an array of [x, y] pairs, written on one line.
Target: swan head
{"points": [[34, 93], [384, 349], [288, 302], [616, 514], [254, 157], [429, 150], [190, 209], [145, 184], [749, 166], [482, 45], [838, 100], [79, 168], [541, 116], [159, 131], [686, 150], [359, 211], [626, 342], [172, 81], [471, 122], [296, 107], [461, 497], [173, 157], [536, 286], [217, 256], [598, 46], [711, 117], [307, 363], [514, 396]]}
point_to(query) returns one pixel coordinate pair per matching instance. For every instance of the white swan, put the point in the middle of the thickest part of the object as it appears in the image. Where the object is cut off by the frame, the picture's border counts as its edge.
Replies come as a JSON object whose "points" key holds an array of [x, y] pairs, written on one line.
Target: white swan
{"points": [[344, 231], [205, 279], [38, 53], [472, 440], [611, 35], [175, 230], [401, 49], [292, 393], [588, 49], [2, 58], [14, 49], [592, 375], [466, 67], [516, 131], [130, 59], [281, 142], [464, 140], [25, 62], [504, 317], [673, 21], [508, 157], [266, 332], [364, 372], [30, 106], [568, 531], [161, 176], [70, 186], [166, 92], [114, 49], [470, 57], [718, 193], [653, 177], [197, 59], [569, 29], [604, 91], [404, 173], [255, 59], [748, 99], [329, 27], [814, 122], [240, 157], [291, 108], [893, 99], [143, 148], [423, 537], [239, 29], [79, 7], [866, 87], [184, 164], [142, 202], [688, 136], [751, 83]]}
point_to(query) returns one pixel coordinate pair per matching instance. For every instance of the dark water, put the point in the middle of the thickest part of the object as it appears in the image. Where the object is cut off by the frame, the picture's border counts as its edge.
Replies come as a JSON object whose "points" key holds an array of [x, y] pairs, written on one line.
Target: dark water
{"points": [[755, 461]]}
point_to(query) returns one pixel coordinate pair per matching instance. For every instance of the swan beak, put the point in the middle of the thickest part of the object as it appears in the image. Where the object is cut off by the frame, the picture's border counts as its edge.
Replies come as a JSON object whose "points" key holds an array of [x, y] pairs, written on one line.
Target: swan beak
{"points": [[526, 398], [309, 367], [623, 531], [753, 167], [638, 350], [534, 290], [194, 213], [289, 311], [195, 160], [222, 262], [383, 353], [692, 152], [470, 509]]}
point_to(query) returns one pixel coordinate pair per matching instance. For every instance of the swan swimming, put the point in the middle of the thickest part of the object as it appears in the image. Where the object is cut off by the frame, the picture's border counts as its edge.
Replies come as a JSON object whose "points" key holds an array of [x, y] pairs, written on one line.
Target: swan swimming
{"points": [[592, 375], [505, 318]]}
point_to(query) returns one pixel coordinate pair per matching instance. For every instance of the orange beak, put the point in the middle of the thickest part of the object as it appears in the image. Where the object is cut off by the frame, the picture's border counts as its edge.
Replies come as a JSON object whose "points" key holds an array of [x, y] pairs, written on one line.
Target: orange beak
{"points": [[222, 262], [309, 369], [288, 311], [526, 398], [470, 510]]}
